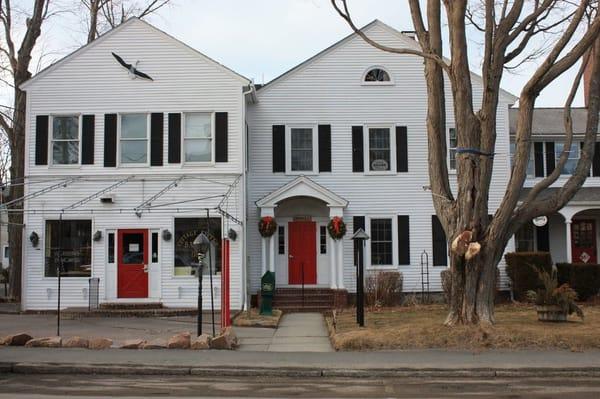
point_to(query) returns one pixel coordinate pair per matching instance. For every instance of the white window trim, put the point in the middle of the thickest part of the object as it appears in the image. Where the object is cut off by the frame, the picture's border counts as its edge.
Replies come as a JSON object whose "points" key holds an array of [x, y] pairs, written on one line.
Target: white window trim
{"points": [[367, 255], [288, 150], [51, 140], [366, 71], [172, 243], [212, 139], [42, 247], [450, 170], [119, 124], [367, 153]]}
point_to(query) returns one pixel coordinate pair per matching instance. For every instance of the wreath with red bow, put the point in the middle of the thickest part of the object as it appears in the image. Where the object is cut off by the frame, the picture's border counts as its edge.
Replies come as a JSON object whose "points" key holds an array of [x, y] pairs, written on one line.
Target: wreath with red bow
{"points": [[336, 228], [267, 226]]}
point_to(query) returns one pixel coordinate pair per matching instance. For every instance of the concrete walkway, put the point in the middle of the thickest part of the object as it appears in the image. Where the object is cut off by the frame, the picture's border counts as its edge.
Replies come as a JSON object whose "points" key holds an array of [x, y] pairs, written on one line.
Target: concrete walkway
{"points": [[297, 332]]}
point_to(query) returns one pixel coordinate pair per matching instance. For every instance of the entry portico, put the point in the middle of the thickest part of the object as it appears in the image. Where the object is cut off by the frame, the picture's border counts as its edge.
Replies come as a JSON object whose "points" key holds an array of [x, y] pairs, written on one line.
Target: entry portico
{"points": [[301, 252]]}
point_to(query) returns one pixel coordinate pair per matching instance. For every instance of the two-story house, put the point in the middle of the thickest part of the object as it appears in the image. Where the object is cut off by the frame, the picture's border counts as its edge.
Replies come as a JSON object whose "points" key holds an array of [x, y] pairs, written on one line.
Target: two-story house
{"points": [[344, 135], [135, 144], [571, 234]]}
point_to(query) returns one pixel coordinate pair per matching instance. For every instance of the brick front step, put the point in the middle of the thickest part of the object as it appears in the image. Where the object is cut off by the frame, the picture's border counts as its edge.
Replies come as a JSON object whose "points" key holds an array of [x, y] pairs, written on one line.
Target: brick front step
{"points": [[78, 313], [130, 306]]}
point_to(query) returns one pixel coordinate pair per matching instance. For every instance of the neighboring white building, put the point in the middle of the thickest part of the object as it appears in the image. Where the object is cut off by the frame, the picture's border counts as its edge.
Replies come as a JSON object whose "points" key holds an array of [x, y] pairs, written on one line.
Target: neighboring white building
{"points": [[131, 165], [572, 234], [344, 134]]}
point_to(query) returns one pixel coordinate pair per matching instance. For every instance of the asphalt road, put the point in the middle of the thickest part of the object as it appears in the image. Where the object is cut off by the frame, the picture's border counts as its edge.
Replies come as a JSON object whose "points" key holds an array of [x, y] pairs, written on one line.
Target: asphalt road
{"points": [[78, 386]]}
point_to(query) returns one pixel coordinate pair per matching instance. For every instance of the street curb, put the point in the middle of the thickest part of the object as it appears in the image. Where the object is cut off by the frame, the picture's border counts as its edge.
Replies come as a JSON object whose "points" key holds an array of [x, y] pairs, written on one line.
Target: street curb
{"points": [[297, 372]]}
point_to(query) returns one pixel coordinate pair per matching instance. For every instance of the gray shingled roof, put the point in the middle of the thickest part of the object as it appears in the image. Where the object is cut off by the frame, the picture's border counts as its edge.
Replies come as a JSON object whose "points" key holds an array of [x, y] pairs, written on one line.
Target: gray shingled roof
{"points": [[585, 194], [549, 121]]}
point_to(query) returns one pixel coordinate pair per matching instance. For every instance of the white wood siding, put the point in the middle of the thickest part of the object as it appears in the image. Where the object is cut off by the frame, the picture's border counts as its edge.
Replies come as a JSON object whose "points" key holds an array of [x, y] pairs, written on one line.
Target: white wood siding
{"points": [[92, 82], [41, 292], [328, 90]]}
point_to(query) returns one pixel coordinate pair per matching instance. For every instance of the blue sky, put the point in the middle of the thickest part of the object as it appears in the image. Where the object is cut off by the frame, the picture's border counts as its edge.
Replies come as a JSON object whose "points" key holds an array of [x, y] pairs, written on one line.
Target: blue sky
{"points": [[263, 38]]}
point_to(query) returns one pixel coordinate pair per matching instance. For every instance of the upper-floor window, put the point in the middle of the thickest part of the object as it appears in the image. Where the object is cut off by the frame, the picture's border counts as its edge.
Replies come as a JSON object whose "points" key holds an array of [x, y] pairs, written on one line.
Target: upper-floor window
{"points": [[452, 144], [134, 139], [377, 75], [198, 137], [65, 140], [380, 149], [301, 149], [572, 160]]}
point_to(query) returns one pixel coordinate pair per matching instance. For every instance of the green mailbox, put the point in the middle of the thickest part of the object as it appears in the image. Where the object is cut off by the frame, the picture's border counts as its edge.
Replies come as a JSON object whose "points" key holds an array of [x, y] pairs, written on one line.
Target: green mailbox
{"points": [[267, 290]]}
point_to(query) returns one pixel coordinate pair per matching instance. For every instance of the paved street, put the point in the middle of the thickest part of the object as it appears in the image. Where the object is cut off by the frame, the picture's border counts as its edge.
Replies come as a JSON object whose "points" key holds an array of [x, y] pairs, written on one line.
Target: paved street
{"points": [[52, 386]]}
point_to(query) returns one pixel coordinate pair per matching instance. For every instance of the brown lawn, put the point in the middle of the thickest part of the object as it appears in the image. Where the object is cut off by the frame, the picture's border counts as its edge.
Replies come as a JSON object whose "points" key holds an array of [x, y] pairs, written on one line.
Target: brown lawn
{"points": [[421, 327]]}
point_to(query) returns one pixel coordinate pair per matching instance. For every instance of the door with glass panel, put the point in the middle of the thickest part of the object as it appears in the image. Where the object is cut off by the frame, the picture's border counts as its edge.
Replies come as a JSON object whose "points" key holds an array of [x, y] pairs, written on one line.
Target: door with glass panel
{"points": [[132, 267]]}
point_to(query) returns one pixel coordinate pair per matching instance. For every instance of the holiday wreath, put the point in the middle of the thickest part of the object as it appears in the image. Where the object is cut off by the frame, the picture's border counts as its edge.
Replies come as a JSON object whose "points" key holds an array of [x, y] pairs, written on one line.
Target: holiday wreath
{"points": [[336, 228], [267, 226]]}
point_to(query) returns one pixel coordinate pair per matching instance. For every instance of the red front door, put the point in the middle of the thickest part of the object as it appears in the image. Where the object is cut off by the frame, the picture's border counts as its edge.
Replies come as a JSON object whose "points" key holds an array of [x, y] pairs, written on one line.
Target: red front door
{"points": [[132, 274], [302, 262], [583, 241]]}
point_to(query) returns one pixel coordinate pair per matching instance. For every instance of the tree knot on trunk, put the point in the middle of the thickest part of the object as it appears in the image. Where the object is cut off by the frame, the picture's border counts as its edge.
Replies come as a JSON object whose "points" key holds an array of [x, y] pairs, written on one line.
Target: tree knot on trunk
{"points": [[463, 245]]}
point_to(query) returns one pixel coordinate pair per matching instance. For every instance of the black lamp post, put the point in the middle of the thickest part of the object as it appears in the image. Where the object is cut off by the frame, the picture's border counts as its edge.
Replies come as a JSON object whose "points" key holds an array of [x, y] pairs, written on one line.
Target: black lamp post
{"points": [[201, 244], [359, 237]]}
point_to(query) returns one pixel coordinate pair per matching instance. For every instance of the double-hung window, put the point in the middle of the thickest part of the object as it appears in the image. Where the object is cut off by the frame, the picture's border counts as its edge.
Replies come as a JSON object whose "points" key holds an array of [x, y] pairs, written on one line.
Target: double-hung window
{"points": [[452, 144], [381, 242], [301, 150], [380, 149], [571, 163], [134, 139], [198, 137], [65, 140]]}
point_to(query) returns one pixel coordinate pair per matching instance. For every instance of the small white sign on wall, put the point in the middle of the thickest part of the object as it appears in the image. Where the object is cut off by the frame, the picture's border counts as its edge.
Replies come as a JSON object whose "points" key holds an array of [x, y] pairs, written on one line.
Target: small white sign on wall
{"points": [[134, 247]]}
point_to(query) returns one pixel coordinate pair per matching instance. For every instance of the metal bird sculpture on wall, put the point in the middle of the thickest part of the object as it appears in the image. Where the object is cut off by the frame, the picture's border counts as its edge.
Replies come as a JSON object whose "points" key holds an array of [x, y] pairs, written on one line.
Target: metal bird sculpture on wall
{"points": [[134, 72]]}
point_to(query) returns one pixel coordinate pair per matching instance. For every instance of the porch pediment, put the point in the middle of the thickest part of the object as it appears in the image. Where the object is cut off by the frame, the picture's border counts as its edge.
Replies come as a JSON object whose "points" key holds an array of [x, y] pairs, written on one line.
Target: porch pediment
{"points": [[302, 187]]}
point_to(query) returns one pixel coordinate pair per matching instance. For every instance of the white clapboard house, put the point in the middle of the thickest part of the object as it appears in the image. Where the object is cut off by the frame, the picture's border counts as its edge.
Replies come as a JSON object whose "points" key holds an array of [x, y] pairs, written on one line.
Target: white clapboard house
{"points": [[136, 143], [344, 134]]}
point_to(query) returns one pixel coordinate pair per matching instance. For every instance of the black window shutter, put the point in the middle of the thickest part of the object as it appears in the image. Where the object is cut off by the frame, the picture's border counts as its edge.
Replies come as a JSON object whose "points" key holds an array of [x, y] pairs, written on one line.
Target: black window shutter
{"points": [[156, 138], [41, 140], [221, 136], [358, 160], [538, 153], [401, 149], [596, 161], [543, 238], [358, 222], [110, 140], [174, 138], [278, 148], [324, 148], [87, 139], [440, 246], [403, 240], [550, 157]]}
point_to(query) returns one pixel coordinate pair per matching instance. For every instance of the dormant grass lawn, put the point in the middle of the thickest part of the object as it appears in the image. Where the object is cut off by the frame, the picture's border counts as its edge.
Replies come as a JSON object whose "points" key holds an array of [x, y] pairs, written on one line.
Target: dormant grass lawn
{"points": [[421, 327]]}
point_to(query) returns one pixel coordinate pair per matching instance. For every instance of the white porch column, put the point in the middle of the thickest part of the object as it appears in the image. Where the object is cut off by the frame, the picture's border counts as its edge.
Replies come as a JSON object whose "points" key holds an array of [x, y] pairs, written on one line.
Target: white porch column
{"points": [[266, 211], [337, 274], [332, 263], [272, 252], [568, 227], [340, 264]]}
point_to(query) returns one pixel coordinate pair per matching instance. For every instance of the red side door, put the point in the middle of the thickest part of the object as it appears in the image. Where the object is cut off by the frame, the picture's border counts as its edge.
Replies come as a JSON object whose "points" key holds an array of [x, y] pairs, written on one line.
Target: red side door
{"points": [[583, 241], [132, 274], [302, 243]]}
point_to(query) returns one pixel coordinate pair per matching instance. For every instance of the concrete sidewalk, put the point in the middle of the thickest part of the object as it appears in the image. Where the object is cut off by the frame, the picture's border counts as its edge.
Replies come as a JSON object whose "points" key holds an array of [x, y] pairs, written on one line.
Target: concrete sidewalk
{"points": [[428, 363], [297, 332]]}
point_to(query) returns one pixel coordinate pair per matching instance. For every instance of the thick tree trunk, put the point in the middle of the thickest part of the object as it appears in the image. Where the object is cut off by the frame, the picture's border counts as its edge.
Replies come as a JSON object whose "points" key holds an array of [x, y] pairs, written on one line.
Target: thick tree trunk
{"points": [[474, 285], [17, 172]]}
